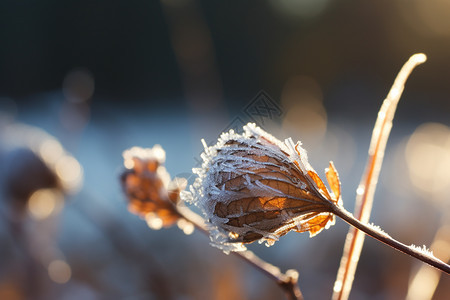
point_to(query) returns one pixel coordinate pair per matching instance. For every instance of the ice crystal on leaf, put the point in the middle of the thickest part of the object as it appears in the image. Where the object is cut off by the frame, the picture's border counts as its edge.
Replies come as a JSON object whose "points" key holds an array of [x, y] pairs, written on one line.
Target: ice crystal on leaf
{"points": [[253, 187]]}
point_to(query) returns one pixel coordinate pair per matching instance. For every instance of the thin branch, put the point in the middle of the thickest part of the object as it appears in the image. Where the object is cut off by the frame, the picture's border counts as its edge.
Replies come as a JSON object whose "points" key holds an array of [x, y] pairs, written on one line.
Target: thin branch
{"points": [[365, 192], [287, 281], [377, 234]]}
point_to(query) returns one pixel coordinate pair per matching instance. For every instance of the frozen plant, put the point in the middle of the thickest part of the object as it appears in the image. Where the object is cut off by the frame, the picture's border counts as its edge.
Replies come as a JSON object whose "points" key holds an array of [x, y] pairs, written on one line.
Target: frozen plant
{"points": [[153, 196], [254, 187]]}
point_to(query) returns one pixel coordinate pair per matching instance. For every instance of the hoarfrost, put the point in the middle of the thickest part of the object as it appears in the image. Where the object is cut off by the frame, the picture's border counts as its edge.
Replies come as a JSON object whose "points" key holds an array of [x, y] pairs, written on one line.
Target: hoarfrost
{"points": [[378, 229], [424, 250], [238, 157]]}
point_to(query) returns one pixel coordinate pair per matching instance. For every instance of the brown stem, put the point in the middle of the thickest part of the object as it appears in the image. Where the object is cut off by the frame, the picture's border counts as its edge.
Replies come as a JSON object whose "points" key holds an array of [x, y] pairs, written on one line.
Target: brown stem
{"points": [[388, 240], [287, 282]]}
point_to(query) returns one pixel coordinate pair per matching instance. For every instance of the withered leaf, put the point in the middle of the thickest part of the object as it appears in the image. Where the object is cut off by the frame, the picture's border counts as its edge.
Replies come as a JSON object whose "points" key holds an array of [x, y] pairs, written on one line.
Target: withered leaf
{"points": [[333, 181], [253, 186], [146, 187]]}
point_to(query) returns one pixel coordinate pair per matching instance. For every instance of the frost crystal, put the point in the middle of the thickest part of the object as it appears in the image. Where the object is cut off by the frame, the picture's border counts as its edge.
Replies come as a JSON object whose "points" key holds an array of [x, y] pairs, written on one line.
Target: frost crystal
{"points": [[252, 187], [378, 229], [424, 250]]}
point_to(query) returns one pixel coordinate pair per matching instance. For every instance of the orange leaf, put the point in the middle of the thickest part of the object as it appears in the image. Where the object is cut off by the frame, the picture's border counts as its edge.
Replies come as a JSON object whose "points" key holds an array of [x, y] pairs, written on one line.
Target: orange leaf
{"points": [[146, 188], [333, 181]]}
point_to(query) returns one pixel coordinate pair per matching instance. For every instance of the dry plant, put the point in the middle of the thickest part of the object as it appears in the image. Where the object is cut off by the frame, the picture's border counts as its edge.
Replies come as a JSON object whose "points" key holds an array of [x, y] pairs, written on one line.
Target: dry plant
{"points": [[254, 187], [154, 197]]}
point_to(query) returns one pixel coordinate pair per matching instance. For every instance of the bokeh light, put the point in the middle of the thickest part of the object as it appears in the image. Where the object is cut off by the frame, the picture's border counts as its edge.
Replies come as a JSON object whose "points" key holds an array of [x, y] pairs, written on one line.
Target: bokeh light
{"points": [[424, 282], [59, 271], [78, 85], [45, 202], [50, 149], [428, 159], [301, 98], [429, 17], [9, 290], [187, 227], [153, 221], [70, 171]]}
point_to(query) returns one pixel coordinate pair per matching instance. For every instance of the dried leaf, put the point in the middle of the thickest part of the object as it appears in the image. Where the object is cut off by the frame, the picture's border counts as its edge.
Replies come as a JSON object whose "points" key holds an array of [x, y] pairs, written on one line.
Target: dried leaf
{"points": [[146, 185], [254, 187], [333, 180]]}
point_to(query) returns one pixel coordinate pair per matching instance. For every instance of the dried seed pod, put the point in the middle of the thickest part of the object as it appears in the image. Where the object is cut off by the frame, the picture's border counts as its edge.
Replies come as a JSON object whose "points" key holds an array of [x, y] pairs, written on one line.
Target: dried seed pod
{"points": [[254, 187], [147, 186]]}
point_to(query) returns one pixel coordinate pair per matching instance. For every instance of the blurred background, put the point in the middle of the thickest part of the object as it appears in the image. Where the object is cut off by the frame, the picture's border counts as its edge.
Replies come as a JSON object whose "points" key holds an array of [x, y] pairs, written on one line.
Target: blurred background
{"points": [[81, 81]]}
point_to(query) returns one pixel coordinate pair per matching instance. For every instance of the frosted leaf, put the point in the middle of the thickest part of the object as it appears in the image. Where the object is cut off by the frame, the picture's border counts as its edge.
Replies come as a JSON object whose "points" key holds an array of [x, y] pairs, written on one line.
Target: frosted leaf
{"points": [[148, 188], [156, 153], [251, 186]]}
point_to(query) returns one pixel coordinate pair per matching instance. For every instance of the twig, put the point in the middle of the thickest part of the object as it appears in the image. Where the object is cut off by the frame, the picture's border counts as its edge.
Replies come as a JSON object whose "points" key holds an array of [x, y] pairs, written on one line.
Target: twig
{"points": [[365, 192], [376, 233], [288, 281]]}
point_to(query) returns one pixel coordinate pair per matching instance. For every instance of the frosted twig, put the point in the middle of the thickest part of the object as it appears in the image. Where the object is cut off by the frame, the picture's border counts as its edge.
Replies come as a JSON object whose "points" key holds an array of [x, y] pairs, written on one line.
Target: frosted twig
{"points": [[288, 281], [421, 253], [153, 196], [355, 239]]}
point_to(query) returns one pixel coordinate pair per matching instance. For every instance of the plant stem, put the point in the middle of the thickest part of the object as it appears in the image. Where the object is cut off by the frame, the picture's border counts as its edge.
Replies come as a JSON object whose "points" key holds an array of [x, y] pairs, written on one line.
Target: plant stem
{"points": [[287, 282], [355, 239], [385, 238]]}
